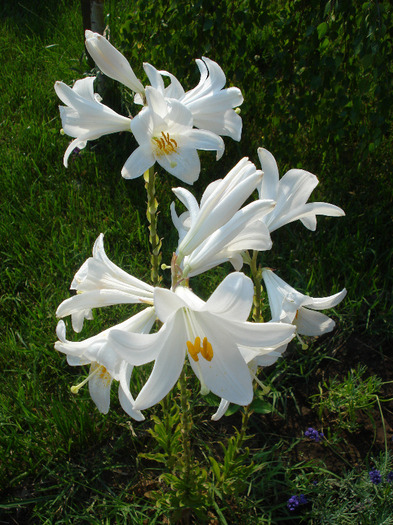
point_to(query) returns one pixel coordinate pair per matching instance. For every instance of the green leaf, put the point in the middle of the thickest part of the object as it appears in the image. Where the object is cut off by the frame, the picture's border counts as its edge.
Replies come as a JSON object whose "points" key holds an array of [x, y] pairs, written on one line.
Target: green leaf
{"points": [[322, 30], [261, 407]]}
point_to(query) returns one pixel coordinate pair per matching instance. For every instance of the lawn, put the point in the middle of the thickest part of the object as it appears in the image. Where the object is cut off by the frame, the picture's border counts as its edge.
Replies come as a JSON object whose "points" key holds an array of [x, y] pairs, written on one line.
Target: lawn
{"points": [[317, 84]]}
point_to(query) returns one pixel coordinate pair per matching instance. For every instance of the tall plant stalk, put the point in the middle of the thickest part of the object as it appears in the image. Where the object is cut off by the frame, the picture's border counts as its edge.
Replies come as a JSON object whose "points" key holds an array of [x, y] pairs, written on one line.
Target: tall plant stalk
{"points": [[151, 214]]}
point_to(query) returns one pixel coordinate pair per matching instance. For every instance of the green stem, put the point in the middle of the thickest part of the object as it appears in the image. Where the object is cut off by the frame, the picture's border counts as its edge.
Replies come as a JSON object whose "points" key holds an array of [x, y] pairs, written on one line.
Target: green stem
{"points": [[151, 214], [186, 425], [257, 278]]}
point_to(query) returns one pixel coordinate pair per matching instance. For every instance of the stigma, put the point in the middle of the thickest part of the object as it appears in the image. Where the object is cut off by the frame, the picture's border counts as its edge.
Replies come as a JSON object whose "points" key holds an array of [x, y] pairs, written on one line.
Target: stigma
{"points": [[206, 350], [165, 145]]}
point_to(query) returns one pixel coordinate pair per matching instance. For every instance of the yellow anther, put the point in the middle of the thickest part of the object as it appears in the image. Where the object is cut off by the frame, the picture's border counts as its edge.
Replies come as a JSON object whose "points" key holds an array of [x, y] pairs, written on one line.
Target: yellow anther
{"points": [[194, 349], [207, 350], [164, 144], [191, 351]]}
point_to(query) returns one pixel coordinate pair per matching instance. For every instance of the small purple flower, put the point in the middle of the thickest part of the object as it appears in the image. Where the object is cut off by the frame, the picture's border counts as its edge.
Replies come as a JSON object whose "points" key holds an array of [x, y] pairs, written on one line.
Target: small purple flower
{"points": [[313, 434], [375, 476], [389, 477], [295, 501], [302, 499]]}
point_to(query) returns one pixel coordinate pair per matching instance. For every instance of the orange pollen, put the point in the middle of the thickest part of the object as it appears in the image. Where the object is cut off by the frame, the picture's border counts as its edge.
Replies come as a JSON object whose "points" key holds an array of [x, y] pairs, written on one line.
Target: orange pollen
{"points": [[104, 375], [165, 145], [206, 350]]}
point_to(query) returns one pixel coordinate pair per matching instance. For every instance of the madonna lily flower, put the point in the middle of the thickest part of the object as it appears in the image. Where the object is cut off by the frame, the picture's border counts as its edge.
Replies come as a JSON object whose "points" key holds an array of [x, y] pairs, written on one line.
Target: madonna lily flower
{"points": [[291, 194], [84, 117], [111, 62], [99, 282], [105, 364], [290, 306], [210, 333], [210, 104], [165, 135], [244, 231], [219, 203]]}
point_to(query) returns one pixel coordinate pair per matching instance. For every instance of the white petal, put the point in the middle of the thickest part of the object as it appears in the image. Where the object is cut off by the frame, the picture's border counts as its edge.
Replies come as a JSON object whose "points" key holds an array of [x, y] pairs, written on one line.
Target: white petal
{"points": [[185, 164], [167, 303], [168, 365], [270, 178], [126, 400], [224, 405], [267, 335], [322, 303], [100, 389], [233, 298], [313, 323], [154, 77], [189, 201], [138, 162], [206, 140], [80, 144], [137, 349], [95, 299]]}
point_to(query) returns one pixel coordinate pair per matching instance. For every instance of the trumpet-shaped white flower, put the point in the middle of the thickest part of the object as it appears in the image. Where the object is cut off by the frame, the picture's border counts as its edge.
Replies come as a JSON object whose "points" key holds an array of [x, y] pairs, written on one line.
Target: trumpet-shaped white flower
{"points": [[244, 231], [111, 62], [210, 104], [99, 282], [210, 333], [291, 193], [165, 135], [84, 117], [105, 364], [290, 306], [220, 202]]}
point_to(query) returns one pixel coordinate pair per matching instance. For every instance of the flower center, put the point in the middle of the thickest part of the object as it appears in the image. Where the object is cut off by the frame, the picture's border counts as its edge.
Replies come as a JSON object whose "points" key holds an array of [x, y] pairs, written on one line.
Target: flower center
{"points": [[164, 145], [206, 350]]}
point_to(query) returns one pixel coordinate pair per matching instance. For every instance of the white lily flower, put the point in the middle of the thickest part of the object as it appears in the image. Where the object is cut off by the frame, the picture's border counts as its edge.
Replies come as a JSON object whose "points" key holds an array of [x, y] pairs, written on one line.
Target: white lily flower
{"points": [[290, 306], [165, 135], [84, 117], [111, 62], [105, 364], [211, 106], [220, 202], [291, 193], [244, 231], [99, 282], [210, 333]]}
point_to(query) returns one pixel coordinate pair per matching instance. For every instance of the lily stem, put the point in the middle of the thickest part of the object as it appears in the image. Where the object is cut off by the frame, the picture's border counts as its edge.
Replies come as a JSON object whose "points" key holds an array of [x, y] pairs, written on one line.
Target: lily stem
{"points": [[186, 425], [256, 273], [151, 214]]}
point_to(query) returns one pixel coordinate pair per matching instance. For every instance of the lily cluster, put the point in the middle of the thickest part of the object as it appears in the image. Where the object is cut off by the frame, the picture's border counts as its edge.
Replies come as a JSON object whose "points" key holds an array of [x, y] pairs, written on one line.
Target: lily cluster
{"points": [[172, 124], [223, 348]]}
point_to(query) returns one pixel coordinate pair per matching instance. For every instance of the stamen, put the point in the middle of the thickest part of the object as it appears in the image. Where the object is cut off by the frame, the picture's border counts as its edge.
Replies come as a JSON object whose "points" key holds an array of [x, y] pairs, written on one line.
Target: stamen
{"points": [[194, 349], [265, 389], [207, 350], [304, 345], [165, 145], [97, 369]]}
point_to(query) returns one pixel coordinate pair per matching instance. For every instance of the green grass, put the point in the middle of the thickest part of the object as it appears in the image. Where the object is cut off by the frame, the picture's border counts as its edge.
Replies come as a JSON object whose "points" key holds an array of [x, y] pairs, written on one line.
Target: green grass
{"points": [[62, 461]]}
